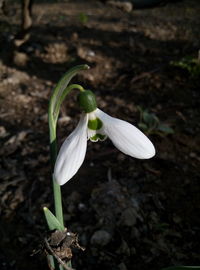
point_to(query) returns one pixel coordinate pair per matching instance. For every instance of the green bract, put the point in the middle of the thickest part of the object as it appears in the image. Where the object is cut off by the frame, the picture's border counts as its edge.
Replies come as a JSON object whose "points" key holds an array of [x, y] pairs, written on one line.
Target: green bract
{"points": [[87, 101]]}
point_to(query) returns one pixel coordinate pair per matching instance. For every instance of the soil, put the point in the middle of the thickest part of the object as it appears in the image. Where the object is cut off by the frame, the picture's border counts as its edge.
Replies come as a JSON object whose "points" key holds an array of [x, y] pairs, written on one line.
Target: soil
{"points": [[128, 213]]}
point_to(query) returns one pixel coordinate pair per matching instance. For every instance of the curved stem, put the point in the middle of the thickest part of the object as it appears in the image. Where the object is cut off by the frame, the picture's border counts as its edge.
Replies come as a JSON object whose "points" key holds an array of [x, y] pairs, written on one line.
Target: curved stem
{"points": [[62, 97], [63, 83]]}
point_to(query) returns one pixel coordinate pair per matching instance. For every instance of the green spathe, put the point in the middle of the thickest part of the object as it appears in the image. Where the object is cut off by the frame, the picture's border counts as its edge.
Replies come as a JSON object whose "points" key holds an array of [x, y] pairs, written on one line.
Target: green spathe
{"points": [[87, 101], [52, 221]]}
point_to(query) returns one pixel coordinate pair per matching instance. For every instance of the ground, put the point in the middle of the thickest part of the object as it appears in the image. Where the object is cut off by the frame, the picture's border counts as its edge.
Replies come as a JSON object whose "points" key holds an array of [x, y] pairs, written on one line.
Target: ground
{"points": [[128, 213]]}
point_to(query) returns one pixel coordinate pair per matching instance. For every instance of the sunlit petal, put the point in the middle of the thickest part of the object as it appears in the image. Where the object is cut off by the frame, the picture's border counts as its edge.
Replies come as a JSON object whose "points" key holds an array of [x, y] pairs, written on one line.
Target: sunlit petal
{"points": [[72, 153], [126, 137]]}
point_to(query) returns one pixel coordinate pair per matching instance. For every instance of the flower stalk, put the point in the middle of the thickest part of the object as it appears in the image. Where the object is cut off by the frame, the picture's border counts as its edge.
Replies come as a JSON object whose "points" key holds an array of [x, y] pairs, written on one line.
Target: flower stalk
{"points": [[53, 112], [56, 187], [59, 94]]}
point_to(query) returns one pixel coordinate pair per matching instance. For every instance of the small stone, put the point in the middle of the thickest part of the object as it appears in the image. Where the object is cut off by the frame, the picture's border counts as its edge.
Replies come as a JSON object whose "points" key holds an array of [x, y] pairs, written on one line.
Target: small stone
{"points": [[64, 120], [91, 53], [82, 207], [3, 132], [129, 217], [122, 266], [101, 238], [20, 59]]}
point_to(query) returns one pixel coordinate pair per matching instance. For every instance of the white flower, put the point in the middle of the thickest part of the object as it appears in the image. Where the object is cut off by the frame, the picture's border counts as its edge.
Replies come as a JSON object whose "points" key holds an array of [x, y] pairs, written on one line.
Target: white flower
{"points": [[95, 126]]}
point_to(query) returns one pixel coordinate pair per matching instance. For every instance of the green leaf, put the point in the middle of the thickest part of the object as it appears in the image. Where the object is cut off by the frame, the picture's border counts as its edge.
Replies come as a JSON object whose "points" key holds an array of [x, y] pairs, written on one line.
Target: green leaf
{"points": [[139, 109], [182, 268], [52, 221], [62, 85], [53, 263], [83, 18], [165, 129], [150, 119]]}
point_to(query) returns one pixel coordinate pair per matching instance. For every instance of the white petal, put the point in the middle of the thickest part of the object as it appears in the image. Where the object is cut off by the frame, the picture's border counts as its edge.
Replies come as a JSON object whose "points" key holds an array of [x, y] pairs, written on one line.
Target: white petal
{"points": [[91, 133], [126, 137], [72, 153]]}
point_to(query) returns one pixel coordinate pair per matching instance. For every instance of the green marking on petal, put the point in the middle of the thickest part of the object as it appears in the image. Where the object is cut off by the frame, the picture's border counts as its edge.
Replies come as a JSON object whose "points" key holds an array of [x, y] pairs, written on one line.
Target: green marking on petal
{"points": [[94, 138], [95, 124], [97, 137]]}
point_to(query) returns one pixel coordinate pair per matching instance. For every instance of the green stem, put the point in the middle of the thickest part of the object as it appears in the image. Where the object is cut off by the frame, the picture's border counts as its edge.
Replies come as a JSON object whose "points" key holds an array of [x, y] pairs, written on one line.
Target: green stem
{"points": [[58, 96], [56, 187], [53, 117]]}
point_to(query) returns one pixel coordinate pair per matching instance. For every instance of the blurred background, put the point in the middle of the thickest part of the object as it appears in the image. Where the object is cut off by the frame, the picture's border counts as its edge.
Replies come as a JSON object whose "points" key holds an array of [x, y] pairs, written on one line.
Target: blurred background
{"points": [[145, 66]]}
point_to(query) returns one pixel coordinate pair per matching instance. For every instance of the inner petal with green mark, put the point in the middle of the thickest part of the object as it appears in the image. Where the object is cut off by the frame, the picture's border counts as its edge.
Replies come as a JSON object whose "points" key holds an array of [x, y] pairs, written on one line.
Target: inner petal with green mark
{"points": [[98, 137], [95, 124], [95, 129]]}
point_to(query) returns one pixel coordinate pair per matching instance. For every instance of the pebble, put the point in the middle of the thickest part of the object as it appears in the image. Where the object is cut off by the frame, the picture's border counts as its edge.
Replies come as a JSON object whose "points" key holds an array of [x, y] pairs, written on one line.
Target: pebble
{"points": [[122, 266], [101, 238], [129, 217]]}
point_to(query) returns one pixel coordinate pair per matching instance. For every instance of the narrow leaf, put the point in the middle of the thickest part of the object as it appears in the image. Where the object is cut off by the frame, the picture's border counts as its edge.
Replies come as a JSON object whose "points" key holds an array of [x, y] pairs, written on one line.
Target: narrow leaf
{"points": [[150, 118], [52, 221], [165, 128]]}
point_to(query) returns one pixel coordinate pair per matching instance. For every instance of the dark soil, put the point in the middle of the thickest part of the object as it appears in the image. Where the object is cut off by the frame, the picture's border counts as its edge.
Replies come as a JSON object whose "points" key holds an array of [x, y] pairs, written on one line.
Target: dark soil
{"points": [[129, 214]]}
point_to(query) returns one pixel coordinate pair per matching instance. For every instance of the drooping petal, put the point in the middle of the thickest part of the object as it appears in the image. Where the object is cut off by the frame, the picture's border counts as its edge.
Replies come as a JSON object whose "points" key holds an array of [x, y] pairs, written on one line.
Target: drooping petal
{"points": [[72, 153], [126, 137]]}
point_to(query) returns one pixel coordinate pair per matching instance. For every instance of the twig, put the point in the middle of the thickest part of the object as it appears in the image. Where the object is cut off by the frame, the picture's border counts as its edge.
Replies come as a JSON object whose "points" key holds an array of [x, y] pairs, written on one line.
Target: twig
{"points": [[56, 256], [144, 74]]}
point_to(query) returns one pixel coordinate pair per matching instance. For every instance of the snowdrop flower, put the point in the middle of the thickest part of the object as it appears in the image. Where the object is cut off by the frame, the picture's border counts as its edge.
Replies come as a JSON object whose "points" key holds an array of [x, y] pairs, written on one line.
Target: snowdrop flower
{"points": [[96, 125]]}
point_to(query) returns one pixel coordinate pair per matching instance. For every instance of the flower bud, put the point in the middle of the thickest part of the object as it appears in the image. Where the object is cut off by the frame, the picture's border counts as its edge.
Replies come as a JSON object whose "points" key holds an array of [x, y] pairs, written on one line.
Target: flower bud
{"points": [[87, 101]]}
